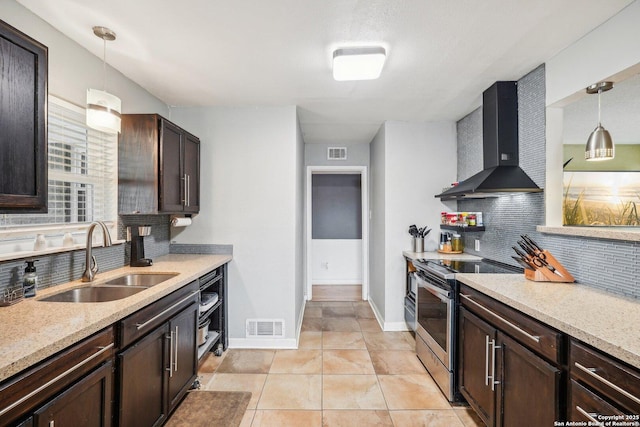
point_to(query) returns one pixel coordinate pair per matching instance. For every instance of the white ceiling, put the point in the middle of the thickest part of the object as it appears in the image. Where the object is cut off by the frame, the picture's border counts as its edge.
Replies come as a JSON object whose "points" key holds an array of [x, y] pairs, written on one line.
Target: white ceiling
{"points": [[441, 53]]}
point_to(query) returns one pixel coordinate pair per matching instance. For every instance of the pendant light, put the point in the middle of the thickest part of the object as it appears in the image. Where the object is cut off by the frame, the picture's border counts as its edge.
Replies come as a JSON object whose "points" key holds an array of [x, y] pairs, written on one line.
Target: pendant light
{"points": [[103, 108], [599, 145]]}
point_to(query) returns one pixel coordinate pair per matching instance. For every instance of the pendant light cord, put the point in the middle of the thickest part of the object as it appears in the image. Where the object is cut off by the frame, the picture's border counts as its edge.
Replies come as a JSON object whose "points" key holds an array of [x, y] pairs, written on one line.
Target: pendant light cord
{"points": [[599, 93], [104, 64]]}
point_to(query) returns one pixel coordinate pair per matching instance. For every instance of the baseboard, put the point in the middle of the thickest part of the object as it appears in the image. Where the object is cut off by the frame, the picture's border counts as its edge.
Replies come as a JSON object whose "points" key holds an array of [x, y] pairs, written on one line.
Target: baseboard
{"points": [[395, 326], [376, 313], [271, 343], [300, 320], [387, 326], [337, 282]]}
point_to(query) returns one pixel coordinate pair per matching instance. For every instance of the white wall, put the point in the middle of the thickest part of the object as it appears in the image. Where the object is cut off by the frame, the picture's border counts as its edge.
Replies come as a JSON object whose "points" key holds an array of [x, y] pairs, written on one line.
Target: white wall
{"points": [[609, 52], [300, 250], [377, 224], [73, 69], [251, 198], [336, 261], [609, 49], [417, 160], [316, 155]]}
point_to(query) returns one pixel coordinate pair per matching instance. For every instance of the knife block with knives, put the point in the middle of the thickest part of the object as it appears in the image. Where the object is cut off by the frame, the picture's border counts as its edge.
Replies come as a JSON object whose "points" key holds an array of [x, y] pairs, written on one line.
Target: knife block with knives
{"points": [[539, 264]]}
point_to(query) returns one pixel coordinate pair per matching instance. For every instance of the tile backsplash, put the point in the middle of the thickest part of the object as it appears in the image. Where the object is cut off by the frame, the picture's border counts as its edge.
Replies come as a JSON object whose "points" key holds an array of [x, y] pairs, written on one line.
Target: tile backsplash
{"points": [[64, 267], [603, 264]]}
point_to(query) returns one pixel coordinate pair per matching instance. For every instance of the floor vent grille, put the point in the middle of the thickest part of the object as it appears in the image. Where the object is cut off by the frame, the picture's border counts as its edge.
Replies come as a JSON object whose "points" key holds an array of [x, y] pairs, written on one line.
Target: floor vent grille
{"points": [[273, 328], [337, 153]]}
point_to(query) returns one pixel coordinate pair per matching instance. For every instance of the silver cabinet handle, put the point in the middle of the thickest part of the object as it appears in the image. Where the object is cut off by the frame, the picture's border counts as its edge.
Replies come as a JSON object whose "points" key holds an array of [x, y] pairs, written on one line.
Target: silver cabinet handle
{"points": [[162, 313], [52, 423], [175, 358], [170, 368], [587, 415], [188, 190], [494, 347], [486, 310], [486, 360], [59, 377], [184, 189], [591, 372]]}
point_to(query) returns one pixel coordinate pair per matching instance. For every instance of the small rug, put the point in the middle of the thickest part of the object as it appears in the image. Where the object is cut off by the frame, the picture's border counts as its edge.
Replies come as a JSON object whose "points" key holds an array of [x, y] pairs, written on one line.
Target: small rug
{"points": [[210, 408]]}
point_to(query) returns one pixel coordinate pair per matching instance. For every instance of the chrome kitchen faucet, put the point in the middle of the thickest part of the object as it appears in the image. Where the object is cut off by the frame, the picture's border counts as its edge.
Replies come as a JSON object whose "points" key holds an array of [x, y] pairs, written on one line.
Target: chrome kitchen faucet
{"points": [[91, 266]]}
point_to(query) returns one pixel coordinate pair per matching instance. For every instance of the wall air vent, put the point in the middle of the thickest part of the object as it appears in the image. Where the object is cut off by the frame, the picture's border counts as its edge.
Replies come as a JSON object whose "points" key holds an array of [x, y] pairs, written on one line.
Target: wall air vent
{"points": [[271, 328], [337, 153]]}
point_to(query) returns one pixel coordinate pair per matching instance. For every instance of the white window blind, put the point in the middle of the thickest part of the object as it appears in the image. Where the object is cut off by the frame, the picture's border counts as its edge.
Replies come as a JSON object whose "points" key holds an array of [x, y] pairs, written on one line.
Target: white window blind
{"points": [[83, 173]]}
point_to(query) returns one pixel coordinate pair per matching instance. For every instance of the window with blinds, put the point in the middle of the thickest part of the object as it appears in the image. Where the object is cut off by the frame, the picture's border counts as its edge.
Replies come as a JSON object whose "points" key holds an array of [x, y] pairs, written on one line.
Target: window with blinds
{"points": [[83, 173]]}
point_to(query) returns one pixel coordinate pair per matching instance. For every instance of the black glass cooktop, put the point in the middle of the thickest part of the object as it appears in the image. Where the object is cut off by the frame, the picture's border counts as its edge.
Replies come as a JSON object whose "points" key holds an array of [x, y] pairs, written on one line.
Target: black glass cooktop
{"points": [[481, 266]]}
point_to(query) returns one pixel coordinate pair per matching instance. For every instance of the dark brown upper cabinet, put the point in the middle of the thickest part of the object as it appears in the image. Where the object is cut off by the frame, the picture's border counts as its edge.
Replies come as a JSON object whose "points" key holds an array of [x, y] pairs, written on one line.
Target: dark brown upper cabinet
{"points": [[158, 167], [23, 122]]}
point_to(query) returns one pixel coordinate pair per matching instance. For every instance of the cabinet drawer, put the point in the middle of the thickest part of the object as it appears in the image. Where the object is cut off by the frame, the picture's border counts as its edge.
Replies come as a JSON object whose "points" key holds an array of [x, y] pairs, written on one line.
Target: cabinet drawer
{"points": [[606, 376], [534, 335], [586, 406], [36, 385], [147, 319]]}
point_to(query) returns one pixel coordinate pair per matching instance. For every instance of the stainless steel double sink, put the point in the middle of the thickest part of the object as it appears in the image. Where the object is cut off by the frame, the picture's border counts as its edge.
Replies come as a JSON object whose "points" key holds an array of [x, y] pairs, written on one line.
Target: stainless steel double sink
{"points": [[111, 290]]}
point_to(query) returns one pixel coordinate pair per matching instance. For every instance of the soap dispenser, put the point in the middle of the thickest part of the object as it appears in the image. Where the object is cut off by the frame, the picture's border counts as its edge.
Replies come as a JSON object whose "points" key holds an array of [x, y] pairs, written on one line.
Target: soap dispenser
{"points": [[30, 279]]}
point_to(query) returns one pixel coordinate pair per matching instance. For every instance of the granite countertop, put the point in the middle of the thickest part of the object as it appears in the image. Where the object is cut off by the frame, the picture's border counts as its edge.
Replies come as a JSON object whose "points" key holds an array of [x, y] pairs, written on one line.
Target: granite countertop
{"points": [[33, 330], [605, 321], [437, 255]]}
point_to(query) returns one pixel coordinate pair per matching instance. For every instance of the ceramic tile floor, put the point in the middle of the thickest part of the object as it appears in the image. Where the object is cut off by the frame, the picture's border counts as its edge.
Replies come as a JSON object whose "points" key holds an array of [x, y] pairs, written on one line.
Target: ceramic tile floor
{"points": [[346, 372]]}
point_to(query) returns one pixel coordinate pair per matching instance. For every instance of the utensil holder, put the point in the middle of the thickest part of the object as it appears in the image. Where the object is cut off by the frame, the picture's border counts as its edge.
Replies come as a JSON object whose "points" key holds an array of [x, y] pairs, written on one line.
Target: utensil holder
{"points": [[543, 274], [418, 244]]}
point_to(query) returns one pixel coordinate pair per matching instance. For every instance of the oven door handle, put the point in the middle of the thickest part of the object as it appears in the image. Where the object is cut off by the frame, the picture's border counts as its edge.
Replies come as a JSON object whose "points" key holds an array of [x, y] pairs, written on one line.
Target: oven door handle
{"points": [[434, 290]]}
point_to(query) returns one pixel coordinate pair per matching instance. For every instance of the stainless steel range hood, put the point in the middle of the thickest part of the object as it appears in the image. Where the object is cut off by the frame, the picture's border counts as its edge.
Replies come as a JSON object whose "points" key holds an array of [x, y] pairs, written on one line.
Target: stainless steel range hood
{"points": [[501, 173]]}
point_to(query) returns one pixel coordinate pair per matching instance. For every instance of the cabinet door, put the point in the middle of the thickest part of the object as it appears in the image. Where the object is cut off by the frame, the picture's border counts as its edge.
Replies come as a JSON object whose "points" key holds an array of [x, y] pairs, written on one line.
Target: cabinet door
{"points": [[184, 350], [475, 365], [87, 403], [23, 123], [529, 389], [192, 171], [143, 382], [172, 180]]}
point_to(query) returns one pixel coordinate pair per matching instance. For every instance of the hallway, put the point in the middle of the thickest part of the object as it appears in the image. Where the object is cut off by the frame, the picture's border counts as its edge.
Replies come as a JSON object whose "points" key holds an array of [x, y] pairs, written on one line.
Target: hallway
{"points": [[346, 372]]}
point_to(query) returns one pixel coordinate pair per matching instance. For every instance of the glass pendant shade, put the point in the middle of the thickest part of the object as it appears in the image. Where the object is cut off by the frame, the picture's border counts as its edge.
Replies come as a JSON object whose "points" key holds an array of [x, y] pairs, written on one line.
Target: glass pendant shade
{"points": [[103, 111], [103, 108], [599, 145]]}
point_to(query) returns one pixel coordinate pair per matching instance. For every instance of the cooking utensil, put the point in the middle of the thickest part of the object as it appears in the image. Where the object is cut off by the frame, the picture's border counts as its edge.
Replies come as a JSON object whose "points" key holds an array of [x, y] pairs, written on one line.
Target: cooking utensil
{"points": [[523, 263], [413, 230]]}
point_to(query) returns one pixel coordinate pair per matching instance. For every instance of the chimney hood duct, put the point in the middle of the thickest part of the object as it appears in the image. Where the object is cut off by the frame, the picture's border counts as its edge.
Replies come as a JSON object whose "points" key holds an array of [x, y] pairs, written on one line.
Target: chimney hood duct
{"points": [[501, 173]]}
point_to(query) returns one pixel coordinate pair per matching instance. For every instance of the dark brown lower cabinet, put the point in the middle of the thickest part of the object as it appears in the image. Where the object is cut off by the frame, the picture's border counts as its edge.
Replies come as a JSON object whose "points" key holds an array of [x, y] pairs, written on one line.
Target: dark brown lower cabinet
{"points": [[185, 354], [475, 336], [157, 370], [504, 381], [529, 389], [87, 403], [143, 382], [601, 387]]}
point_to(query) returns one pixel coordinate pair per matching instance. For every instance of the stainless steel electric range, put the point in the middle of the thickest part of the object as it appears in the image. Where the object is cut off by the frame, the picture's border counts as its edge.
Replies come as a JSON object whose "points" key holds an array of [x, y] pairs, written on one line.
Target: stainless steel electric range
{"points": [[435, 298]]}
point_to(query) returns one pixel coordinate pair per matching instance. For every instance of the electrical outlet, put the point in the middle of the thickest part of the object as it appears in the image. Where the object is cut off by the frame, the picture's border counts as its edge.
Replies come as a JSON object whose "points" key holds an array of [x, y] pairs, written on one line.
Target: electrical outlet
{"points": [[325, 265], [477, 246]]}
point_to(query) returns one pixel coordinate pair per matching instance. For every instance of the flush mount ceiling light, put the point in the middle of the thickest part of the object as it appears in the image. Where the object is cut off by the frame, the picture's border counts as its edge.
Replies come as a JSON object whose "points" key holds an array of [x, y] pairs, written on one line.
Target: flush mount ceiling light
{"points": [[103, 108], [358, 63], [599, 145]]}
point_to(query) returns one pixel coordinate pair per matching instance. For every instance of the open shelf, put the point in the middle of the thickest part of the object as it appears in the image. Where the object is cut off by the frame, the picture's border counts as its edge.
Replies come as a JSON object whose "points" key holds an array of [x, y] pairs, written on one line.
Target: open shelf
{"points": [[461, 228], [212, 339]]}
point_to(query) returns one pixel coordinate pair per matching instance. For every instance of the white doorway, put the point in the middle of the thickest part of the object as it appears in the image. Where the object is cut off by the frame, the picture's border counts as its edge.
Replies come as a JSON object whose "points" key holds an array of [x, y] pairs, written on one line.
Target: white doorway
{"points": [[363, 250]]}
